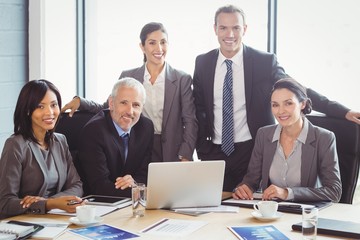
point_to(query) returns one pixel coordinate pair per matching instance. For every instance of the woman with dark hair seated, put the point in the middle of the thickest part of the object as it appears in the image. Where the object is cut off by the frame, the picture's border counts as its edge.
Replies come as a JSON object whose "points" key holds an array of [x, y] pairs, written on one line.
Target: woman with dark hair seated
{"points": [[293, 160], [36, 169]]}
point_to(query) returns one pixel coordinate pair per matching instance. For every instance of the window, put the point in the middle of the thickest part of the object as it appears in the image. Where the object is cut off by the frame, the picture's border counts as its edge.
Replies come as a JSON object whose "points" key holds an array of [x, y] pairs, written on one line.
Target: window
{"points": [[52, 44], [318, 45], [113, 28]]}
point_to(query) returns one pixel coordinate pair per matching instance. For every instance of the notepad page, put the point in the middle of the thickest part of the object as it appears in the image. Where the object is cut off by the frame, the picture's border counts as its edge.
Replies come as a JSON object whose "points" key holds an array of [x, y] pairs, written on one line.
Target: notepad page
{"points": [[4, 236], [15, 229]]}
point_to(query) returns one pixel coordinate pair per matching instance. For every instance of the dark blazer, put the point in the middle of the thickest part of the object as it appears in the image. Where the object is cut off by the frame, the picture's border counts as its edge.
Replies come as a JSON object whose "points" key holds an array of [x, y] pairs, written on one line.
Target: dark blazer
{"points": [[319, 162], [22, 173], [179, 125], [261, 71], [100, 154]]}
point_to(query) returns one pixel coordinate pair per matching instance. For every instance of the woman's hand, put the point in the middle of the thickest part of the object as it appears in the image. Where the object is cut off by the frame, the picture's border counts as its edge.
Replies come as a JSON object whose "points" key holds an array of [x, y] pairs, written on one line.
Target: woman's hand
{"points": [[243, 192], [65, 203], [124, 182], [275, 192], [28, 200]]}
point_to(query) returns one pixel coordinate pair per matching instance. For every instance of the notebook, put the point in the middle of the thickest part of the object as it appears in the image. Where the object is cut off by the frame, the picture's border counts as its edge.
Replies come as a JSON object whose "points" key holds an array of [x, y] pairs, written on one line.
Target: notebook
{"points": [[335, 227], [289, 207], [105, 200], [174, 185], [17, 230]]}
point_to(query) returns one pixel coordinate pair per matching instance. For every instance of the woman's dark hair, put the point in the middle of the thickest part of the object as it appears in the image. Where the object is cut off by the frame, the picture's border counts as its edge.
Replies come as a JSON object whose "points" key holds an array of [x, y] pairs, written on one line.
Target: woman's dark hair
{"points": [[296, 88], [149, 28], [29, 98]]}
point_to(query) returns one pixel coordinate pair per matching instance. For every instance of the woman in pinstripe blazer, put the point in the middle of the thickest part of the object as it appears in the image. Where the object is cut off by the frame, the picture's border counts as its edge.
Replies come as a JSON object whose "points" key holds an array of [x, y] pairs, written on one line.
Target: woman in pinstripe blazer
{"points": [[293, 160], [36, 169]]}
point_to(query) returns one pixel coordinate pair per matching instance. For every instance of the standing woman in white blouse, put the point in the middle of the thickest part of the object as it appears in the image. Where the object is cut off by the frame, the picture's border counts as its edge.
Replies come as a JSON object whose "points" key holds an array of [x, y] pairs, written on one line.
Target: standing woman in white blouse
{"points": [[293, 160], [169, 103]]}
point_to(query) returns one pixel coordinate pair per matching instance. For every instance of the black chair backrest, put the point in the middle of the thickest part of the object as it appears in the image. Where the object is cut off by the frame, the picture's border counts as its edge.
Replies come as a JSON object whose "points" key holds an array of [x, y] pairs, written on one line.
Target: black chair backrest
{"points": [[71, 128], [348, 148]]}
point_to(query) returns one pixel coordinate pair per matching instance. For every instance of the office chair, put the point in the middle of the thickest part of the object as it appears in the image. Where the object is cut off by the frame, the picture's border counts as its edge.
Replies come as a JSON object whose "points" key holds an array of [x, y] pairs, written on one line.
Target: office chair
{"points": [[71, 128], [348, 148]]}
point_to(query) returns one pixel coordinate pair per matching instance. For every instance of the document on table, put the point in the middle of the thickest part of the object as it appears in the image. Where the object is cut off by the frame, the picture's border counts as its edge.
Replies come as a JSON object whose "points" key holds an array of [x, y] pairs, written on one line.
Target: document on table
{"points": [[173, 227], [51, 230], [100, 211], [221, 208]]}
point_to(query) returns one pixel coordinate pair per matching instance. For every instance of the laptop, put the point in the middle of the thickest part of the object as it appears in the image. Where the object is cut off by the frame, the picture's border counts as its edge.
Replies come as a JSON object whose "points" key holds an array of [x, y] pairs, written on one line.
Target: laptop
{"points": [[174, 185]]}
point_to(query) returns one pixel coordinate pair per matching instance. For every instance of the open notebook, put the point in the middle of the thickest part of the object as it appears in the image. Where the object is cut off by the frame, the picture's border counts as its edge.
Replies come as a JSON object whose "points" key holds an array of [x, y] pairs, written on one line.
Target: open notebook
{"points": [[17, 230]]}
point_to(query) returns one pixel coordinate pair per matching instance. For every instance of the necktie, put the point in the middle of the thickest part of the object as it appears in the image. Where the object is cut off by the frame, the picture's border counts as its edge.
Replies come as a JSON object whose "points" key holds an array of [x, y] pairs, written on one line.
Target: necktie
{"points": [[227, 144], [125, 138]]}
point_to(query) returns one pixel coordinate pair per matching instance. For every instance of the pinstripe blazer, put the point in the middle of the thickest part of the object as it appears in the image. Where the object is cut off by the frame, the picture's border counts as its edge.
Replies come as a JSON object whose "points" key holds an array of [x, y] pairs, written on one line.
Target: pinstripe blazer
{"points": [[319, 164], [22, 172], [179, 125]]}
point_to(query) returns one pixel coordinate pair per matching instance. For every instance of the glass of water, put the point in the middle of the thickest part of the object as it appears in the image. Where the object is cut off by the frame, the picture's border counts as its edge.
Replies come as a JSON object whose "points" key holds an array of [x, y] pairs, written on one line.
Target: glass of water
{"points": [[309, 222], [138, 197]]}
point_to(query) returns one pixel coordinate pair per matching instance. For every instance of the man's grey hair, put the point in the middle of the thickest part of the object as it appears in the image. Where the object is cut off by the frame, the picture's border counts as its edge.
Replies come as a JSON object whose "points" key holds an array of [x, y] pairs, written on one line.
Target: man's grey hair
{"points": [[130, 83]]}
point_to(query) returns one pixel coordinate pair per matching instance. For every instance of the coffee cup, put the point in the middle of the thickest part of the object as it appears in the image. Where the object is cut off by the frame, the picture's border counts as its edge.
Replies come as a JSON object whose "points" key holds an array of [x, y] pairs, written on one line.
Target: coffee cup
{"points": [[266, 208], [86, 213]]}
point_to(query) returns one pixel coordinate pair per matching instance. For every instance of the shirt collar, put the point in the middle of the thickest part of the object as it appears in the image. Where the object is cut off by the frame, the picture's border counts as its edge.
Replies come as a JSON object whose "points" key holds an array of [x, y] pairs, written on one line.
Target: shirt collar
{"points": [[119, 129], [302, 136], [147, 75], [237, 59]]}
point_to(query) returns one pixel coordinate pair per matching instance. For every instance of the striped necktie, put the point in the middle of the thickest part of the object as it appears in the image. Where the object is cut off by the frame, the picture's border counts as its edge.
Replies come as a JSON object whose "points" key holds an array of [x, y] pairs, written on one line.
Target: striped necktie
{"points": [[227, 141], [125, 139]]}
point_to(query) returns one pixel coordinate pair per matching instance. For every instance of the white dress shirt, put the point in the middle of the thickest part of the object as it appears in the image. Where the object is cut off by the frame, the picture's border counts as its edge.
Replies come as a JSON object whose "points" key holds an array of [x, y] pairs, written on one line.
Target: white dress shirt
{"points": [[241, 128]]}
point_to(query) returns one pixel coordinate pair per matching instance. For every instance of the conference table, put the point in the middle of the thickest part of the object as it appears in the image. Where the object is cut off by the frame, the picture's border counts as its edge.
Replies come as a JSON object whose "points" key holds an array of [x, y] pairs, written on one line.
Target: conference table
{"points": [[217, 223]]}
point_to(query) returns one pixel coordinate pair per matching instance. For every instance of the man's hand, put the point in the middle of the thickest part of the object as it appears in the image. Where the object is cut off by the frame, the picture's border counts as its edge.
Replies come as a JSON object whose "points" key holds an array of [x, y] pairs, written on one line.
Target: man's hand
{"points": [[73, 105], [353, 116], [124, 182]]}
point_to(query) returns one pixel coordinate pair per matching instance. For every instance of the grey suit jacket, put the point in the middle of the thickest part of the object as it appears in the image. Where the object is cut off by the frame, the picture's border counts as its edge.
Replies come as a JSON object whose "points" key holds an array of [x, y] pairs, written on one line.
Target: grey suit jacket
{"points": [[319, 162], [179, 125], [22, 173]]}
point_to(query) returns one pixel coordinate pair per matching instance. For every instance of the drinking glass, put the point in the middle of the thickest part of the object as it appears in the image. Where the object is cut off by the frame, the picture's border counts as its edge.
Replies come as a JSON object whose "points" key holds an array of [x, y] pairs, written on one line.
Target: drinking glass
{"points": [[309, 222], [138, 197]]}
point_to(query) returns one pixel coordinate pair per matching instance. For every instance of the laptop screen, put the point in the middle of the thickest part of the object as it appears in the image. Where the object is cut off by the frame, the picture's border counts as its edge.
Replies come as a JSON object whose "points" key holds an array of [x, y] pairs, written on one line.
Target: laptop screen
{"points": [[185, 184]]}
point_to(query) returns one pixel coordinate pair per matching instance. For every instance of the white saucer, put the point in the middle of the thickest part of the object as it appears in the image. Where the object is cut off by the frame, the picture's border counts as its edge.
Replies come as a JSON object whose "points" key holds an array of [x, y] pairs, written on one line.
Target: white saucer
{"points": [[258, 216], [76, 221]]}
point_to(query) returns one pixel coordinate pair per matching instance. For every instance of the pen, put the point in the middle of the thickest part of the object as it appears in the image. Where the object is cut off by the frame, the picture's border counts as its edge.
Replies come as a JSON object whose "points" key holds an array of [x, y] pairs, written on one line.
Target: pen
{"points": [[73, 202]]}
